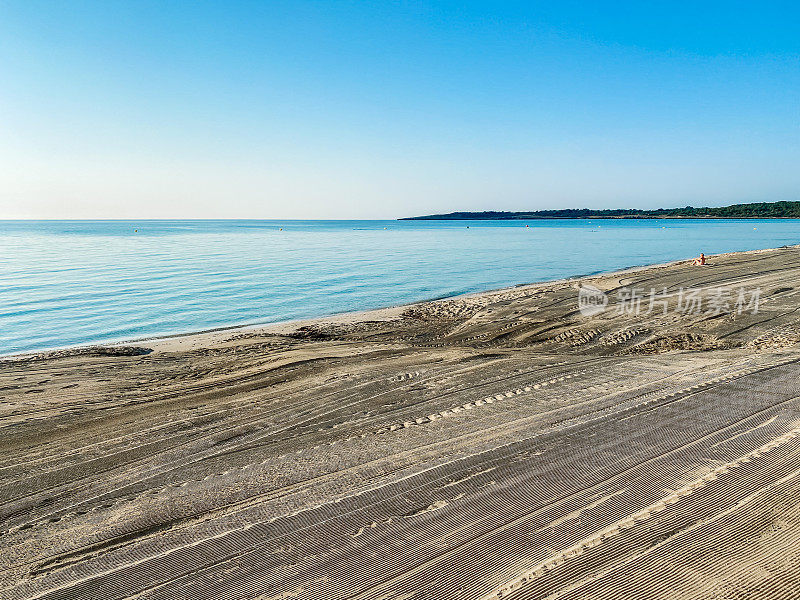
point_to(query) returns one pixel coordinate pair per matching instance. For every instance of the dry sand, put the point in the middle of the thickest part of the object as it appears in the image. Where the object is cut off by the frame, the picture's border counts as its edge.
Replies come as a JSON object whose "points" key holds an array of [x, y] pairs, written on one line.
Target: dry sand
{"points": [[494, 445]]}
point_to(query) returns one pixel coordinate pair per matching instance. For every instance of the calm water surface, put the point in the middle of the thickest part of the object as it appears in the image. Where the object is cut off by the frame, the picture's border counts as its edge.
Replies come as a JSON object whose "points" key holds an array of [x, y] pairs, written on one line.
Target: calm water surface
{"points": [[64, 283]]}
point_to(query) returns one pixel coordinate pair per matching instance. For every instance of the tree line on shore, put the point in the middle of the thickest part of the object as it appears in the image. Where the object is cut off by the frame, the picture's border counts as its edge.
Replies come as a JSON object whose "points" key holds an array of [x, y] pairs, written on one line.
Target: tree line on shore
{"points": [[762, 210]]}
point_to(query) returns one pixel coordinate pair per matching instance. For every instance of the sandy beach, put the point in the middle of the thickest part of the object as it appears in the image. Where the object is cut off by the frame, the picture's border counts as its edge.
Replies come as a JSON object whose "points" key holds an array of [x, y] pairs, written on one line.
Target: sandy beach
{"points": [[498, 445]]}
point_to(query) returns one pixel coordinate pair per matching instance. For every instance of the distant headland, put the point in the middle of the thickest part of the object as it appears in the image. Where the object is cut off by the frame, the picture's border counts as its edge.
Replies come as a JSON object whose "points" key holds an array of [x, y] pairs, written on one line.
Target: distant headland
{"points": [[755, 210]]}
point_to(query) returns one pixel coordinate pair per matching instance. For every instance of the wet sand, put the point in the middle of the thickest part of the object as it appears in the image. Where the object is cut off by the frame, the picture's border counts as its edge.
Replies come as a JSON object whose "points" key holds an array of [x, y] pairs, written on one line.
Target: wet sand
{"points": [[498, 445]]}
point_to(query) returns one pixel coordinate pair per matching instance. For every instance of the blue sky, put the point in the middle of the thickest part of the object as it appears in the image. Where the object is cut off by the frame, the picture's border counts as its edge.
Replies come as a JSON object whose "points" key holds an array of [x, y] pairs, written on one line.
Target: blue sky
{"points": [[379, 110]]}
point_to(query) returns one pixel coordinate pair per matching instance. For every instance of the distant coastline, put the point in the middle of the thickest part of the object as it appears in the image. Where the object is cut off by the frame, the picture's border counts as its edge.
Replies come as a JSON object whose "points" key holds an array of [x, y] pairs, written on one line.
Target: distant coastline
{"points": [[756, 210]]}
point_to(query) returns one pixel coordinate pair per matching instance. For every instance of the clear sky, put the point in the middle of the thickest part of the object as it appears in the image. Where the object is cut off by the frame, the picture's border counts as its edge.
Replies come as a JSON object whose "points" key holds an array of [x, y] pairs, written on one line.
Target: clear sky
{"points": [[384, 109]]}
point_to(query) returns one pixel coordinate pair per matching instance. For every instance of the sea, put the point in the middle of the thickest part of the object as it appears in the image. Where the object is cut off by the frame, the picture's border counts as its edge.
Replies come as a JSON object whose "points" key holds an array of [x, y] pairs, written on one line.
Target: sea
{"points": [[70, 283]]}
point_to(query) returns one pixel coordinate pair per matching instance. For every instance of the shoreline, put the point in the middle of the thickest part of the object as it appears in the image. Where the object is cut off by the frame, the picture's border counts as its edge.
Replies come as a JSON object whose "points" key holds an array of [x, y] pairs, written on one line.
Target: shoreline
{"points": [[203, 337], [174, 340], [450, 424]]}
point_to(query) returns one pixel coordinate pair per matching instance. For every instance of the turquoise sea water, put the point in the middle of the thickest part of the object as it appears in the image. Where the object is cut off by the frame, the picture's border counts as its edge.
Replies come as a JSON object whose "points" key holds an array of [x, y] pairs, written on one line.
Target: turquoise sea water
{"points": [[65, 283]]}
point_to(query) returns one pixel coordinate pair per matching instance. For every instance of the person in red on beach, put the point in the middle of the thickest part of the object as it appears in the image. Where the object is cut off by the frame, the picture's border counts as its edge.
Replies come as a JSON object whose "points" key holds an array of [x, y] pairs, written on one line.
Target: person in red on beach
{"points": [[700, 261]]}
